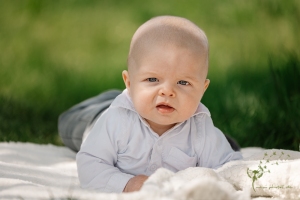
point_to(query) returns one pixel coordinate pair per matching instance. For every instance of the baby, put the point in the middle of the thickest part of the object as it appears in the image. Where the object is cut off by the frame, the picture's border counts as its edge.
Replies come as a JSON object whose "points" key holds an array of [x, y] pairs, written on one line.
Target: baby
{"points": [[158, 120]]}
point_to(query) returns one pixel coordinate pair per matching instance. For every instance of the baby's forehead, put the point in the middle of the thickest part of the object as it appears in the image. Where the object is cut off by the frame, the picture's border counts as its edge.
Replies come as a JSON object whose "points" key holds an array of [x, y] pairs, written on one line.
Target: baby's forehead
{"points": [[170, 58]]}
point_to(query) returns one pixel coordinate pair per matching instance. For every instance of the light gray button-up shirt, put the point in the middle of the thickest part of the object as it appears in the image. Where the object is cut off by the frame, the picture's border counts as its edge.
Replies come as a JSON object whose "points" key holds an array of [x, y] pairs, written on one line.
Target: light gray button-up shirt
{"points": [[121, 145]]}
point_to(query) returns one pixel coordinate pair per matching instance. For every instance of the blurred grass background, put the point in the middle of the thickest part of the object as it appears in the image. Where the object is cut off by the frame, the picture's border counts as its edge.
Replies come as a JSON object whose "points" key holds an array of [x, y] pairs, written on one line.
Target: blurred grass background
{"points": [[54, 54]]}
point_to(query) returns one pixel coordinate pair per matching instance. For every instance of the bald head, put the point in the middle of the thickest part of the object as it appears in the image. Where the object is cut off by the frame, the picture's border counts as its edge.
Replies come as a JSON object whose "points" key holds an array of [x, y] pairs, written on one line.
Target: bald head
{"points": [[167, 31]]}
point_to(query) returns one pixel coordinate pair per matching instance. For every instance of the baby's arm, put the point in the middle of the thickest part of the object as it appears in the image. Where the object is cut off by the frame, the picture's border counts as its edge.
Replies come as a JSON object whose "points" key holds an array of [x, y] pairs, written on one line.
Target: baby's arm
{"points": [[217, 150], [135, 183], [97, 158]]}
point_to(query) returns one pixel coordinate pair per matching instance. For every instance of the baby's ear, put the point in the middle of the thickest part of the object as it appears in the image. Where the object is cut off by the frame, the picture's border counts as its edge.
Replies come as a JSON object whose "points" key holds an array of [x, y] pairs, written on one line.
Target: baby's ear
{"points": [[206, 84], [126, 80]]}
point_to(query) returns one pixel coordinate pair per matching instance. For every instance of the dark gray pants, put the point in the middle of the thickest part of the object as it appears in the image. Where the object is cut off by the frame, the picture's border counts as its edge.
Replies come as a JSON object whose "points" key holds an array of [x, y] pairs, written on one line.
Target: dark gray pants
{"points": [[74, 123]]}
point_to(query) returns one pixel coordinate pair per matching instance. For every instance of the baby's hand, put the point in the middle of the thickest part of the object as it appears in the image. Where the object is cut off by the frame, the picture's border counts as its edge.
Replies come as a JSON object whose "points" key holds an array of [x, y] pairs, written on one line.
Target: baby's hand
{"points": [[135, 183]]}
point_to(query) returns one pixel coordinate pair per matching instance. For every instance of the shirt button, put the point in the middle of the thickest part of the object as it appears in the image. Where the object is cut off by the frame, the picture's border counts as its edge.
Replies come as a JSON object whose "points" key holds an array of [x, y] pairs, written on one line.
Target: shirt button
{"points": [[153, 167]]}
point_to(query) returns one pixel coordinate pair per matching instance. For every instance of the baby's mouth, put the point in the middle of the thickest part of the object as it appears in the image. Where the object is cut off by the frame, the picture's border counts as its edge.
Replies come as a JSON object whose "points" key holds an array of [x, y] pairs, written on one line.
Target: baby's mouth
{"points": [[164, 108]]}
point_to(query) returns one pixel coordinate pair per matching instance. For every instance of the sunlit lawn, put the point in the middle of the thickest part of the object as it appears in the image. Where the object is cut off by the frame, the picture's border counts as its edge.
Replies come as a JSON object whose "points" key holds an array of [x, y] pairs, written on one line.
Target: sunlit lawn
{"points": [[55, 54]]}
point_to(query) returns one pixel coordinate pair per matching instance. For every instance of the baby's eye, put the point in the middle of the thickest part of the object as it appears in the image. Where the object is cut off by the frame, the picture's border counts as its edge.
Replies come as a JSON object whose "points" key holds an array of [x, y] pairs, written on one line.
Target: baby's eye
{"points": [[152, 79], [183, 82]]}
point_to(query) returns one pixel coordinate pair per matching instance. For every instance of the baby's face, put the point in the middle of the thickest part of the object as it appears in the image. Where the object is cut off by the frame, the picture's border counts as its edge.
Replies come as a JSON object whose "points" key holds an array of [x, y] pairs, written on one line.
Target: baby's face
{"points": [[166, 85]]}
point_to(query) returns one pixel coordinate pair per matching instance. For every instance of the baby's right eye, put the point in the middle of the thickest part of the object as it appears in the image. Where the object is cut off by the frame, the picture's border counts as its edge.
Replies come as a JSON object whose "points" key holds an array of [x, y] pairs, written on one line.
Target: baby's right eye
{"points": [[152, 79]]}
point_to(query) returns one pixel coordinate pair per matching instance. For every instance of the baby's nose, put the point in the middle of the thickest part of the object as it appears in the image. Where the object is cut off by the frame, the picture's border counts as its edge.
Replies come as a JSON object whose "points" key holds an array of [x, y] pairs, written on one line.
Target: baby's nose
{"points": [[167, 91]]}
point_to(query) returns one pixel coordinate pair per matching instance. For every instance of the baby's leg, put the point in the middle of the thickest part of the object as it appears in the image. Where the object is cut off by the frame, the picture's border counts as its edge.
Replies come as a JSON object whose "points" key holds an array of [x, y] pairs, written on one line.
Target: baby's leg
{"points": [[73, 123]]}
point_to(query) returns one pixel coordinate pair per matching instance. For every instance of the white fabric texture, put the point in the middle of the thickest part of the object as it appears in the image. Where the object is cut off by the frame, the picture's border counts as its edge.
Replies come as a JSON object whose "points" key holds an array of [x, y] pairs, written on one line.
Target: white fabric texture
{"points": [[32, 171], [122, 144]]}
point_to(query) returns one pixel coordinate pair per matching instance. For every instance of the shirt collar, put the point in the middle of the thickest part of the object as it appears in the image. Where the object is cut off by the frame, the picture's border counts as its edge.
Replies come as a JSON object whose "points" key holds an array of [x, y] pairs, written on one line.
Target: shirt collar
{"points": [[124, 101], [202, 109]]}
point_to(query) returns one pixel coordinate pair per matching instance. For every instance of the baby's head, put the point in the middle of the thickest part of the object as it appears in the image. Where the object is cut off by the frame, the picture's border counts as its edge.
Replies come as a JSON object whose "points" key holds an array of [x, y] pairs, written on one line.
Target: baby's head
{"points": [[167, 69]]}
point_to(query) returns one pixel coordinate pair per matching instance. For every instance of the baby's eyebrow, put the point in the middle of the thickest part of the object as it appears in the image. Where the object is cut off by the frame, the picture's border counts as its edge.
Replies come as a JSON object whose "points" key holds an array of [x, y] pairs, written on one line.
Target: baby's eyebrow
{"points": [[150, 73], [188, 77]]}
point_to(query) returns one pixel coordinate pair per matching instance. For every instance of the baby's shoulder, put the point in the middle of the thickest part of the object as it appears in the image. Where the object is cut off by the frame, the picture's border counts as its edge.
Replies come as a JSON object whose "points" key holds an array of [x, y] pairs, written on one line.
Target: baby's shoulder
{"points": [[119, 115], [205, 127], [114, 122]]}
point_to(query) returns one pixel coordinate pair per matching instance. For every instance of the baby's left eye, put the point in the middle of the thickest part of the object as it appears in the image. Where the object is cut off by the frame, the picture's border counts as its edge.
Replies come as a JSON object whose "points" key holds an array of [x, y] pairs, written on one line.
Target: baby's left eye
{"points": [[183, 82]]}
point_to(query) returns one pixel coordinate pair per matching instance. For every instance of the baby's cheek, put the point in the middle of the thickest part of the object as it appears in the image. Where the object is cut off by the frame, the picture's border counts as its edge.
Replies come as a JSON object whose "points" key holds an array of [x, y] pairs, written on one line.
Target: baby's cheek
{"points": [[141, 107], [189, 110]]}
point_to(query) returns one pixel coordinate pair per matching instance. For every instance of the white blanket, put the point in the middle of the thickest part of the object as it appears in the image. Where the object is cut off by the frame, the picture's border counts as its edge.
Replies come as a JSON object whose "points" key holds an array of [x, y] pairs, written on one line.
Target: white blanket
{"points": [[32, 171]]}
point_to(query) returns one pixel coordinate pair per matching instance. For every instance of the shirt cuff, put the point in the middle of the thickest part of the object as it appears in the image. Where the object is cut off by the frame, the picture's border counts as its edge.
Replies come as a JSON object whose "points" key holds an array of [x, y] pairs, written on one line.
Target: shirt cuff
{"points": [[117, 182]]}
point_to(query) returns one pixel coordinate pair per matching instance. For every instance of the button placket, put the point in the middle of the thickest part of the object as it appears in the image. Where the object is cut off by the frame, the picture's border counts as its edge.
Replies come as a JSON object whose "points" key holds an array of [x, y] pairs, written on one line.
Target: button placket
{"points": [[155, 161], [153, 167], [159, 143]]}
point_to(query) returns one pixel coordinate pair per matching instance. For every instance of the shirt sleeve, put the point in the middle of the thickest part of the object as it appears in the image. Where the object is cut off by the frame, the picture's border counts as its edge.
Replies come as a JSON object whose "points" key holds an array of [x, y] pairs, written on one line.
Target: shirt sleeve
{"points": [[98, 155], [217, 150]]}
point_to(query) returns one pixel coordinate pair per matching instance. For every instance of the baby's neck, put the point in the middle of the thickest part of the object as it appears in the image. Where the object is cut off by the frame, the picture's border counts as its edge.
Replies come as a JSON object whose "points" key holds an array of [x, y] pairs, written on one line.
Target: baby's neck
{"points": [[160, 129]]}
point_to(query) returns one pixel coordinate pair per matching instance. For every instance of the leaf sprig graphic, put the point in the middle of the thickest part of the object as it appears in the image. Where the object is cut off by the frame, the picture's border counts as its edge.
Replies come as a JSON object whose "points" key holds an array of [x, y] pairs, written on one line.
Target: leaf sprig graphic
{"points": [[258, 173], [262, 167]]}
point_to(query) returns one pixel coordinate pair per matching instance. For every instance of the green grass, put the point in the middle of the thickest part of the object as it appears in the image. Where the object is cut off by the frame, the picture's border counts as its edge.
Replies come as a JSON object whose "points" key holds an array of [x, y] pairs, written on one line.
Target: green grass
{"points": [[260, 108], [56, 54]]}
